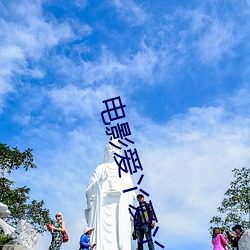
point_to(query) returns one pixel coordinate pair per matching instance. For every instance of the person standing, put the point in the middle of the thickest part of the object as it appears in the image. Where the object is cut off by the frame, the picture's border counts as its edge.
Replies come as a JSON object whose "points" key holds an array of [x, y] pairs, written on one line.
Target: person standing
{"points": [[239, 231], [85, 239], [218, 240], [144, 228], [56, 231]]}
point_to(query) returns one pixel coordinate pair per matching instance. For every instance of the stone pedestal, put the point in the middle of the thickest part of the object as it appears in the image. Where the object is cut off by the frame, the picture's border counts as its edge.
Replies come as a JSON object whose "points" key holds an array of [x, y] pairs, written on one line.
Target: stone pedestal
{"points": [[13, 247]]}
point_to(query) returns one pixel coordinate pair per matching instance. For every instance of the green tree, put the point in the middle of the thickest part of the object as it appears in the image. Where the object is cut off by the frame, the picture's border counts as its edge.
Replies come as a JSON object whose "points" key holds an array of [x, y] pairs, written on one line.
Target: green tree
{"points": [[17, 199], [235, 207]]}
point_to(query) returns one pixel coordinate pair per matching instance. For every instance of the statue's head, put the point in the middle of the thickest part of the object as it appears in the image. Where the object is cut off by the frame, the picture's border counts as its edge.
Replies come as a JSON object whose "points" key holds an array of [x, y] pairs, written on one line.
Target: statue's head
{"points": [[110, 151]]}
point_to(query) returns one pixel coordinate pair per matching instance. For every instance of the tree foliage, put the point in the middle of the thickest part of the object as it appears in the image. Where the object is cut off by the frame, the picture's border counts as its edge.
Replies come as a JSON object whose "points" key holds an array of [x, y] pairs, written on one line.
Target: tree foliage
{"points": [[17, 199], [13, 158], [235, 207]]}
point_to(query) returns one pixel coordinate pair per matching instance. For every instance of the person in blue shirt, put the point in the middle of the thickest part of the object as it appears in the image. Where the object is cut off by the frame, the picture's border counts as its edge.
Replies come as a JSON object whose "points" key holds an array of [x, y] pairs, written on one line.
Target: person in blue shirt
{"points": [[84, 240]]}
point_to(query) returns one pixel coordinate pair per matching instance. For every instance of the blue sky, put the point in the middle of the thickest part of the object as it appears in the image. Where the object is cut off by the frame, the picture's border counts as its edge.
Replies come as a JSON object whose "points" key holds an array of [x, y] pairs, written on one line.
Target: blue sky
{"points": [[180, 67]]}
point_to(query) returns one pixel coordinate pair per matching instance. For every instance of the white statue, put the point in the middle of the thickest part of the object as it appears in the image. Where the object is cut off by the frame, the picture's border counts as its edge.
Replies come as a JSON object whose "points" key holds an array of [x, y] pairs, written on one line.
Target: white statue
{"points": [[25, 235], [244, 242], [107, 206], [4, 212]]}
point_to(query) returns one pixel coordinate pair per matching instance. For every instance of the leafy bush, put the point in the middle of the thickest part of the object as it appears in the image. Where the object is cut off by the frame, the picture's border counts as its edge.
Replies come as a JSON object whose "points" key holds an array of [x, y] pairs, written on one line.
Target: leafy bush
{"points": [[6, 240]]}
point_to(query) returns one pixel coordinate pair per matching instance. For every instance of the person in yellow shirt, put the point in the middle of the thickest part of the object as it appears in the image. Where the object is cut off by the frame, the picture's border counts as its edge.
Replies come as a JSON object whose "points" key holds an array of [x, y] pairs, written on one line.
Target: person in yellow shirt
{"points": [[145, 222]]}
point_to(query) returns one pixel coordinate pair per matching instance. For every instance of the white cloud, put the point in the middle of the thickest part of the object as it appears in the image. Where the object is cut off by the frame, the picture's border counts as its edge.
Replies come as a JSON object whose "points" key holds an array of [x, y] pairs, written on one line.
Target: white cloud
{"points": [[131, 12], [121, 71], [32, 33], [105, 69], [198, 33], [143, 64], [239, 101], [25, 35], [80, 3], [198, 19], [82, 102], [217, 42]]}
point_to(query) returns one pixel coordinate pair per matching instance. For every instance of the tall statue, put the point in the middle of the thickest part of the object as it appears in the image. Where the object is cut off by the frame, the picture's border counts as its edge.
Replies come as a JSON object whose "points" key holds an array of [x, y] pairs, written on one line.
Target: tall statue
{"points": [[107, 206]]}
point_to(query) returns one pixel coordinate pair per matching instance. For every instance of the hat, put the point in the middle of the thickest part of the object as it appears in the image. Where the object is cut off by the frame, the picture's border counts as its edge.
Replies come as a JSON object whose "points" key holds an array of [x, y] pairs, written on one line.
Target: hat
{"points": [[237, 227], [59, 213], [88, 229]]}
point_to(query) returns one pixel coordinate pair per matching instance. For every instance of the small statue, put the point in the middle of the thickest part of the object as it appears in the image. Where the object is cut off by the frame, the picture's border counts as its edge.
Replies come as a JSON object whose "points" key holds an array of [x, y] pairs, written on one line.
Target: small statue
{"points": [[24, 235]]}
